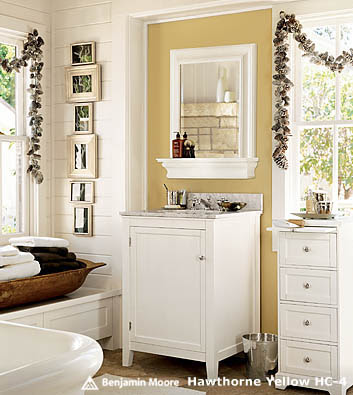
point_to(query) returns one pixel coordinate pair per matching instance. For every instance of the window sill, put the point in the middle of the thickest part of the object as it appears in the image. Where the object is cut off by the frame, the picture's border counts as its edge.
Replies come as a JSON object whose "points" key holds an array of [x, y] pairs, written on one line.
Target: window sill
{"points": [[218, 168]]}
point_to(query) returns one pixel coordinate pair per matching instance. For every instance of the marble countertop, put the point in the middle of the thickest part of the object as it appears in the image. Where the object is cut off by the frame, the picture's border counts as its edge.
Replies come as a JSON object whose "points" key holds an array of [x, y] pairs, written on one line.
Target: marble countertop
{"points": [[254, 204], [198, 214]]}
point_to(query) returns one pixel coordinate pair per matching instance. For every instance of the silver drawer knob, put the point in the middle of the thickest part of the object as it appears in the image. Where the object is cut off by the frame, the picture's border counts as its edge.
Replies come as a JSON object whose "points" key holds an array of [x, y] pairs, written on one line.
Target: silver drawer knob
{"points": [[306, 323], [306, 249], [306, 285], [202, 257], [307, 359]]}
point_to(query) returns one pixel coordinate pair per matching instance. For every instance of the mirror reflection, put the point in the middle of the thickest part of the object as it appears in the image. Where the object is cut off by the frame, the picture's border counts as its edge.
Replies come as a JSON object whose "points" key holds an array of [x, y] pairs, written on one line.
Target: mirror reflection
{"points": [[209, 112]]}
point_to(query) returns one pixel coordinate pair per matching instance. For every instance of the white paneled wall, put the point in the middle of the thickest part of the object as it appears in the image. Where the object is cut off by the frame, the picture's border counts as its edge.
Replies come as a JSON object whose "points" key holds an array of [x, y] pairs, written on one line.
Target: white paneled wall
{"points": [[23, 16], [80, 21]]}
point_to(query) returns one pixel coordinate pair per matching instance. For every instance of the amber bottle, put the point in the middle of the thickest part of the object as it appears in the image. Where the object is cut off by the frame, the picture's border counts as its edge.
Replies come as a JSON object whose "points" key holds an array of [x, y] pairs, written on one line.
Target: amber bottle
{"points": [[178, 146]]}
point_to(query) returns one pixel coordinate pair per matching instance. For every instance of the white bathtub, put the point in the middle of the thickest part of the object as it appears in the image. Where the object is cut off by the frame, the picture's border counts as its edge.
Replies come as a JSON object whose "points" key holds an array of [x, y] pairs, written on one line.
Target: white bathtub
{"points": [[37, 361]]}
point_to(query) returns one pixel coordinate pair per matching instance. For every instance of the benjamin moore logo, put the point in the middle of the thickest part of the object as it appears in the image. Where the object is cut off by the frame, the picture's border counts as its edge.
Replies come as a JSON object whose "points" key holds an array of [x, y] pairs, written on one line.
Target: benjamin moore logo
{"points": [[90, 385]]}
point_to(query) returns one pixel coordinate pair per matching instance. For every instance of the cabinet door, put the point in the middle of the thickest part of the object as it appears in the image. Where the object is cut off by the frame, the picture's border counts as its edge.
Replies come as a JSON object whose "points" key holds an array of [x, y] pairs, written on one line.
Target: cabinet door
{"points": [[167, 280]]}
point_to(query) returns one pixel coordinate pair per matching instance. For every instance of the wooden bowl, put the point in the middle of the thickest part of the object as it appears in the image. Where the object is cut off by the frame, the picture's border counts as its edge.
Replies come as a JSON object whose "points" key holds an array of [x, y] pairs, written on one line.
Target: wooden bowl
{"points": [[43, 287]]}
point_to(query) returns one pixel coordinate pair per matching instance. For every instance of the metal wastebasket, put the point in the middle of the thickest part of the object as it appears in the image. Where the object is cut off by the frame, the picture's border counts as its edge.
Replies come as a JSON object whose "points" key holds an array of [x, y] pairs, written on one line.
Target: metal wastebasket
{"points": [[261, 350]]}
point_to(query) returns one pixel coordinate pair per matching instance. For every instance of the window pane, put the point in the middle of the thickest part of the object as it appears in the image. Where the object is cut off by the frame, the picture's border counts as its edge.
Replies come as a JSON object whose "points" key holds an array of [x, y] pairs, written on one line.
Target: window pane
{"points": [[318, 83], [324, 38], [346, 36], [318, 93], [346, 40], [7, 93], [11, 176], [316, 160], [345, 164], [347, 93]]}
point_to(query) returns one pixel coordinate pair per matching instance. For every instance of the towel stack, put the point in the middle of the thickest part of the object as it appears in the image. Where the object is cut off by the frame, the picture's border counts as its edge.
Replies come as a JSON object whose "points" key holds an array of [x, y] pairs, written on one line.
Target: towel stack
{"points": [[51, 253], [15, 265]]}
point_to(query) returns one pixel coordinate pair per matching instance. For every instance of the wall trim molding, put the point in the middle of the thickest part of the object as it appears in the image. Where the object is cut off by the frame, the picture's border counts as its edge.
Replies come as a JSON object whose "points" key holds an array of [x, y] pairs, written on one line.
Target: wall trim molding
{"points": [[204, 10], [166, 19]]}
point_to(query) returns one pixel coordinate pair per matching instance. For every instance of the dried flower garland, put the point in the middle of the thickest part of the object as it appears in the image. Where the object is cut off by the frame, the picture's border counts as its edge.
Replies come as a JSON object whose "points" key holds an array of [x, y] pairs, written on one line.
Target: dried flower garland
{"points": [[32, 53], [289, 24]]}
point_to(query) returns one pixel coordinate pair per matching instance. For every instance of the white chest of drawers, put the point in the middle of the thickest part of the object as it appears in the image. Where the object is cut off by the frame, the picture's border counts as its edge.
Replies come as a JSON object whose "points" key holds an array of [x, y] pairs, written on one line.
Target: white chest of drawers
{"points": [[315, 308]]}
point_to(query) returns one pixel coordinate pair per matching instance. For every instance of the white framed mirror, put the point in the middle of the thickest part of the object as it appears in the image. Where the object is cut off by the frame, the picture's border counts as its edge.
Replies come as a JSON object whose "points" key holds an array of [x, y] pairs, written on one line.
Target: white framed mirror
{"points": [[213, 100]]}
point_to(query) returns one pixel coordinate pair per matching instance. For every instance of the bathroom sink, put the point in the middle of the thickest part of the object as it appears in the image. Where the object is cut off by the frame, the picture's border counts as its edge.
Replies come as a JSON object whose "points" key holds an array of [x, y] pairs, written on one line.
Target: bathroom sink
{"points": [[44, 361]]}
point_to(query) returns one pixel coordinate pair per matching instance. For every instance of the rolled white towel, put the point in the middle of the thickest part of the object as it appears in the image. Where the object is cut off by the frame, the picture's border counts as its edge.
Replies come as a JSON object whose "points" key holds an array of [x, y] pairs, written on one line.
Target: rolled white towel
{"points": [[22, 257], [30, 241], [22, 270], [8, 251]]}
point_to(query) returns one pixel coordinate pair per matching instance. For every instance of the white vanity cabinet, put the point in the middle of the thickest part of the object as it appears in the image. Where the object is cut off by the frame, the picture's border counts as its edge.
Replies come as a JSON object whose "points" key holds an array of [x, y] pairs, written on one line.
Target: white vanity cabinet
{"points": [[190, 286], [315, 294]]}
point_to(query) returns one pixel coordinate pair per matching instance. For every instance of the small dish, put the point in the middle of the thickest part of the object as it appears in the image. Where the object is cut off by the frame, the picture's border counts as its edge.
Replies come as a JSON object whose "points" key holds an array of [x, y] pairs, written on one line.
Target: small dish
{"points": [[233, 206]]}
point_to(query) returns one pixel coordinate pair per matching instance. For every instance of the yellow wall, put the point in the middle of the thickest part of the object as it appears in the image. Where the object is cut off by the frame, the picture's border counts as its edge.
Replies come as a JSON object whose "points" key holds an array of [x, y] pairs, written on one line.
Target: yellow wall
{"points": [[249, 27]]}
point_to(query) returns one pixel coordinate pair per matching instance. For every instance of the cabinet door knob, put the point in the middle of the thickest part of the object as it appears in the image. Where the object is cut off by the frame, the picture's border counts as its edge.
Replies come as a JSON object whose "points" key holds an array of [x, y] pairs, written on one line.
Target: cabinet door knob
{"points": [[202, 258], [307, 359], [307, 323], [306, 249], [306, 285]]}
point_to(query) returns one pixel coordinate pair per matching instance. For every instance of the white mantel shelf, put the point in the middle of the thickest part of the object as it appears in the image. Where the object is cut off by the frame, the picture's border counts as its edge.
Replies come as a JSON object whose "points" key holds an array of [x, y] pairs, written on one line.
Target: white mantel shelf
{"points": [[218, 168]]}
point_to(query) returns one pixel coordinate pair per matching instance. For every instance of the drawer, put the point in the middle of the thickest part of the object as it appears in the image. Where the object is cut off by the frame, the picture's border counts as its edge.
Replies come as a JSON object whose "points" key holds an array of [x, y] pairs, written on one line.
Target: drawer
{"points": [[310, 323], [31, 320], [311, 286], [308, 359], [92, 319], [307, 249]]}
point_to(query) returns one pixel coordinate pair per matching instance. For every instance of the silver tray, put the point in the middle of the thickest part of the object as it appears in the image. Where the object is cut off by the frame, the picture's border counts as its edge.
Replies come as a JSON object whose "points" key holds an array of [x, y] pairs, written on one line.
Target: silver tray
{"points": [[314, 216]]}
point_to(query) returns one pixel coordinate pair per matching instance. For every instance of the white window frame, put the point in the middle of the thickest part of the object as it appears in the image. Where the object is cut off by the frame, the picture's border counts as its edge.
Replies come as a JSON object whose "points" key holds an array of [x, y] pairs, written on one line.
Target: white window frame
{"points": [[17, 39], [297, 124]]}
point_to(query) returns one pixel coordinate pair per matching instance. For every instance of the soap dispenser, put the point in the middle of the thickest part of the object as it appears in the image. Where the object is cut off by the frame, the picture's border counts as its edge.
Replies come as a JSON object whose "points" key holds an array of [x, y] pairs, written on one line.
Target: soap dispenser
{"points": [[177, 144]]}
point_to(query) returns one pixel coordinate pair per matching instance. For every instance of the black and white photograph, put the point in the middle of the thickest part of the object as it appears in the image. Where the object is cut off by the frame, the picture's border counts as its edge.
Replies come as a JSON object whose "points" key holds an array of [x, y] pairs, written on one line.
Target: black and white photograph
{"points": [[82, 221], [81, 156], [81, 192], [82, 150]]}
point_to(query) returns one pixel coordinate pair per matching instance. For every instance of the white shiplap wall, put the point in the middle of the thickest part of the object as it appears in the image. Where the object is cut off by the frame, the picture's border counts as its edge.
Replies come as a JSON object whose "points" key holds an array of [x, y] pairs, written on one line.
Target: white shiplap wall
{"points": [[23, 16], [80, 21]]}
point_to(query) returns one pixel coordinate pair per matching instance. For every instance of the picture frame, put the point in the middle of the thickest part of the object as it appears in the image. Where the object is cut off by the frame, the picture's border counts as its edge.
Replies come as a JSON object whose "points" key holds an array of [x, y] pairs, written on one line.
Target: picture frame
{"points": [[83, 118], [83, 220], [83, 53], [82, 156], [83, 84], [82, 192]]}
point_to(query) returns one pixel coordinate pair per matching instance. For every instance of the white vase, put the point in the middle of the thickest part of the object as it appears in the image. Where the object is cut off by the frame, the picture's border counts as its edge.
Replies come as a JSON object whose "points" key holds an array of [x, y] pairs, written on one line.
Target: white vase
{"points": [[220, 86]]}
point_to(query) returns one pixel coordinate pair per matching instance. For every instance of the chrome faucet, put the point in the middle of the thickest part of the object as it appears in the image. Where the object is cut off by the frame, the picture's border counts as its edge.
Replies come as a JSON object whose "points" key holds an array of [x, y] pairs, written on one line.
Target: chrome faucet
{"points": [[203, 204], [207, 203]]}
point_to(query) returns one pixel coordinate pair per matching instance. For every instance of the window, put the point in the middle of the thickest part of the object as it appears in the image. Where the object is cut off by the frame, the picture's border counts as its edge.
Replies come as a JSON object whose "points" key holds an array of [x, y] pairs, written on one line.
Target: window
{"points": [[13, 142], [322, 119]]}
